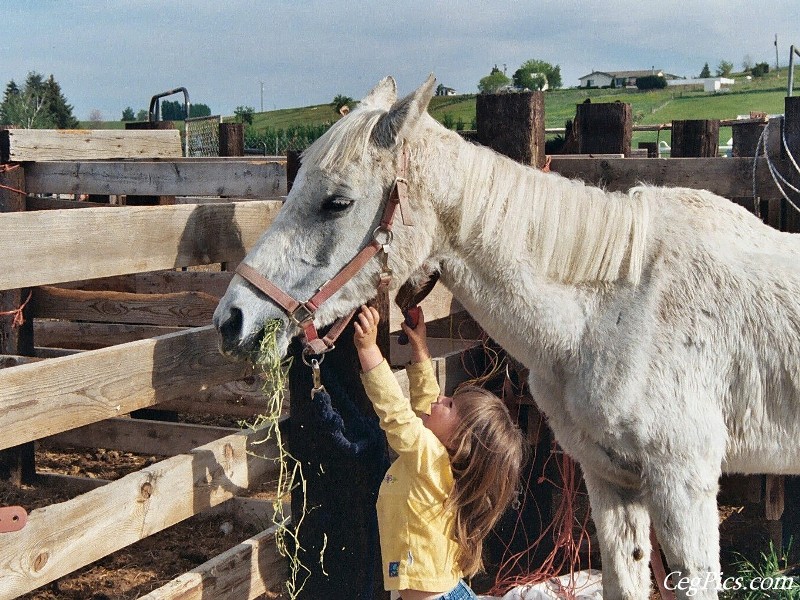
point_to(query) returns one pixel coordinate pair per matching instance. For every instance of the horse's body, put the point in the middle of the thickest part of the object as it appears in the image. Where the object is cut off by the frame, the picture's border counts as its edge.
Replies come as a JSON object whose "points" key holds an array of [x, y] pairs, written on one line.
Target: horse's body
{"points": [[660, 327]]}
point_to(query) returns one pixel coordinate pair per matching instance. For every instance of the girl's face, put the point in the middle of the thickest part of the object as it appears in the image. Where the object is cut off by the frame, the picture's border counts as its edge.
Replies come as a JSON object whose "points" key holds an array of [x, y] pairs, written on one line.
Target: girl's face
{"points": [[442, 420]]}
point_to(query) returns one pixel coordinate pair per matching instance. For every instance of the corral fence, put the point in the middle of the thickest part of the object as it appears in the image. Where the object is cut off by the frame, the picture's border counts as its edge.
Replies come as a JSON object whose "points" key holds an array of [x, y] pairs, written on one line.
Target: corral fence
{"points": [[117, 319]]}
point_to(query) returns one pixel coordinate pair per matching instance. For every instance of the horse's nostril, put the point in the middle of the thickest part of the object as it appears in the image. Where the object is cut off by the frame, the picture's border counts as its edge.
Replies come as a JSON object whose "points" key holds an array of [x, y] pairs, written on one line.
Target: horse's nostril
{"points": [[231, 328]]}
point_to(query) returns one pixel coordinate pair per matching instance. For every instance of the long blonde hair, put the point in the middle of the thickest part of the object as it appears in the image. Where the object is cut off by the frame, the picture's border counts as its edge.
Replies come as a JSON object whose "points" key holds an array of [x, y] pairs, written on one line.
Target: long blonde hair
{"points": [[488, 452]]}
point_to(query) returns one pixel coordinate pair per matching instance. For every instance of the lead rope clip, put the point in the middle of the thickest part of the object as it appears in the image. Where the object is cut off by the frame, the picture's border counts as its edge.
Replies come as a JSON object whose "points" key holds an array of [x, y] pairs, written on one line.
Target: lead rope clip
{"points": [[316, 377]]}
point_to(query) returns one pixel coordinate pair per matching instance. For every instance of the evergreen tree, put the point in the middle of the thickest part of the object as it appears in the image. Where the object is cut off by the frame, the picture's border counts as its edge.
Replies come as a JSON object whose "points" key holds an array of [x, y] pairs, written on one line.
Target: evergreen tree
{"points": [[127, 114], [706, 72], [39, 104], [57, 105]]}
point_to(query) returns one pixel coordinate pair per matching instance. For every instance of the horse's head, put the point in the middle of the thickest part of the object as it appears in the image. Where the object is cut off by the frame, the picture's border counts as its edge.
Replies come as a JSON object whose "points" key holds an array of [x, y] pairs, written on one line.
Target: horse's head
{"points": [[332, 213]]}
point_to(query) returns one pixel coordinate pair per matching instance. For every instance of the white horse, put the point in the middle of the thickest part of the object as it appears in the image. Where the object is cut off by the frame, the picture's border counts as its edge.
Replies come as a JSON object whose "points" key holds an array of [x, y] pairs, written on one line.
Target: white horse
{"points": [[661, 327]]}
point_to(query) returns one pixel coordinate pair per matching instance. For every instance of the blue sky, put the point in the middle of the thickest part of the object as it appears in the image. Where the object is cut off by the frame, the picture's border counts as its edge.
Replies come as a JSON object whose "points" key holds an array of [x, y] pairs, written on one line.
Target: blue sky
{"points": [[109, 54]]}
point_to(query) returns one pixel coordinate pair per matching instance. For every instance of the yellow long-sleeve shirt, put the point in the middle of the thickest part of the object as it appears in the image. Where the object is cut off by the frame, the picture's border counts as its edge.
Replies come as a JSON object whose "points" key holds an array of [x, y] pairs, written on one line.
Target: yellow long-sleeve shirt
{"points": [[417, 547]]}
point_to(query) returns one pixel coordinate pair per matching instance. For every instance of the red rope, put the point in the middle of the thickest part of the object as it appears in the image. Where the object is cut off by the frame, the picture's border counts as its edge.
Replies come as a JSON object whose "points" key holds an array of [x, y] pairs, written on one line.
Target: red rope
{"points": [[18, 320], [6, 169]]}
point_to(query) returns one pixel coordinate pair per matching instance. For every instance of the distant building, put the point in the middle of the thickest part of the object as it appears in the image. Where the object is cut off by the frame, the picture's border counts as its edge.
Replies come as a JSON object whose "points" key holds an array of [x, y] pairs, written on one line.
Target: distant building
{"points": [[618, 79], [710, 84], [442, 90]]}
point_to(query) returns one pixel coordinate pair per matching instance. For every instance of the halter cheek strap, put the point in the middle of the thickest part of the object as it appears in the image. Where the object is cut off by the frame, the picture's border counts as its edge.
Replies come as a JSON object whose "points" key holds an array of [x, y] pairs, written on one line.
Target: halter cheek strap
{"points": [[302, 313]]}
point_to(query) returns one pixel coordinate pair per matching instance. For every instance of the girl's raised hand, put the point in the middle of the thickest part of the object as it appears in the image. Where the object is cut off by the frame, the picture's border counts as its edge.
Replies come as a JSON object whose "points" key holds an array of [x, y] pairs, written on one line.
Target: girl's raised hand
{"points": [[366, 326]]}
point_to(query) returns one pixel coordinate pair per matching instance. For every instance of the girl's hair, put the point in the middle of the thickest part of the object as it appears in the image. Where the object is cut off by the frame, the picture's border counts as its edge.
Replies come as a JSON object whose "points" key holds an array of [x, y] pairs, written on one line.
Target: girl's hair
{"points": [[488, 452]]}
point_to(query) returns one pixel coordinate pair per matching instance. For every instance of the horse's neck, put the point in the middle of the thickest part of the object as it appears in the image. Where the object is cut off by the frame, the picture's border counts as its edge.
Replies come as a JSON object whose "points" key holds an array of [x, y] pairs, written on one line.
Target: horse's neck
{"points": [[528, 253]]}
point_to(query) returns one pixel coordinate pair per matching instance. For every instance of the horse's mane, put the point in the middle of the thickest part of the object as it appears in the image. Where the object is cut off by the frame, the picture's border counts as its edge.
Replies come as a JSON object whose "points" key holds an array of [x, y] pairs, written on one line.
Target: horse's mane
{"points": [[571, 232], [345, 141]]}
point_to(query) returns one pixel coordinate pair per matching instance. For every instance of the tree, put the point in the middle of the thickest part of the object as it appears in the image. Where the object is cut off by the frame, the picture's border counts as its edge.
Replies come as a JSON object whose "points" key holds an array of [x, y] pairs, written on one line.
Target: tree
{"points": [[341, 100], [747, 62], [127, 114], [493, 81], [245, 114], [651, 82], [95, 117], [534, 74], [142, 115], [57, 105], [172, 110], [706, 72], [724, 68], [199, 110], [760, 69], [38, 104]]}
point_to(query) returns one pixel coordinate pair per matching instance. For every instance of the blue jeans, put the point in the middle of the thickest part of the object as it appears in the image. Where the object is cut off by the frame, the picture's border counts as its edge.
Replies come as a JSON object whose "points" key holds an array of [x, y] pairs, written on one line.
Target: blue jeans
{"points": [[461, 592]]}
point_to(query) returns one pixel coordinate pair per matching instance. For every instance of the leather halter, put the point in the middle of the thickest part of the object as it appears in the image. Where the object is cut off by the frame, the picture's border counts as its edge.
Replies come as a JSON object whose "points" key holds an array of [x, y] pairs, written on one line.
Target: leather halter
{"points": [[302, 313]]}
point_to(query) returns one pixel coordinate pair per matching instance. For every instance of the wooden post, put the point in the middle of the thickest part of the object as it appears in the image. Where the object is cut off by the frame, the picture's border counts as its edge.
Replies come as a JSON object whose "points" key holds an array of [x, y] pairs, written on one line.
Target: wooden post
{"points": [[605, 128], [17, 465], [513, 124], [231, 139], [340, 520], [149, 200], [696, 138], [292, 167], [651, 147]]}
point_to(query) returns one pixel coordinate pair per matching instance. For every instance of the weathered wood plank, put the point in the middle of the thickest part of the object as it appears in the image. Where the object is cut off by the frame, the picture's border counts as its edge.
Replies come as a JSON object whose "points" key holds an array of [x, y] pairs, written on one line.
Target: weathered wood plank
{"points": [[63, 537], [89, 144], [242, 398], [728, 177], [91, 336], [36, 203], [136, 435], [243, 178], [68, 245], [55, 395], [159, 282], [179, 309], [244, 572]]}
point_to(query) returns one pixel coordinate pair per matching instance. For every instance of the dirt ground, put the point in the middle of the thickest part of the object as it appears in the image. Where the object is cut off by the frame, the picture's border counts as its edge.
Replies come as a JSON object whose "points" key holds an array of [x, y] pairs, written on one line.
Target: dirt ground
{"points": [[142, 567]]}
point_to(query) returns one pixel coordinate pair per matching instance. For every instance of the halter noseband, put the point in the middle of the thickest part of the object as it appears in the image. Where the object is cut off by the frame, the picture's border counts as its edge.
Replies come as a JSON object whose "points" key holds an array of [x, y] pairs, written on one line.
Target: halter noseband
{"points": [[302, 313]]}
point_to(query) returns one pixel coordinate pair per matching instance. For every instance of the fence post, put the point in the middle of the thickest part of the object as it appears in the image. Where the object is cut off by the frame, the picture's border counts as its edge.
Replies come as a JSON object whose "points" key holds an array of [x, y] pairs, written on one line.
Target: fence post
{"points": [[149, 200], [340, 523], [231, 139], [695, 138], [605, 128], [17, 465], [513, 124]]}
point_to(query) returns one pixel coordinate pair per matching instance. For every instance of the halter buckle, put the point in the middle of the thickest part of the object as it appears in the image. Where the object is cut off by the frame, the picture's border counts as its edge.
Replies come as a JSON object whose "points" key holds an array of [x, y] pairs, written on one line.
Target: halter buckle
{"points": [[305, 313]]}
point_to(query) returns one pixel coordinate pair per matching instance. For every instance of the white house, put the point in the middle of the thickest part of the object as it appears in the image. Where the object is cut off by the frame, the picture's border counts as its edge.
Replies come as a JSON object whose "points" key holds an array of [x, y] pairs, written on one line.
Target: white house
{"points": [[442, 90], [620, 79]]}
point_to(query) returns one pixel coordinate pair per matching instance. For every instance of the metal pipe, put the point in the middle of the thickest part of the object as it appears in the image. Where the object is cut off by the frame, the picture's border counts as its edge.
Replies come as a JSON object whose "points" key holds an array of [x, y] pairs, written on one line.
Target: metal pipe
{"points": [[154, 113], [792, 52]]}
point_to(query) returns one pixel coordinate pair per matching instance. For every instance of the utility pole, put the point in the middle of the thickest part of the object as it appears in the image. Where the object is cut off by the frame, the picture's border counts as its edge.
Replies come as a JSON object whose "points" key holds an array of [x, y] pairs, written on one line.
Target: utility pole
{"points": [[777, 66], [262, 96]]}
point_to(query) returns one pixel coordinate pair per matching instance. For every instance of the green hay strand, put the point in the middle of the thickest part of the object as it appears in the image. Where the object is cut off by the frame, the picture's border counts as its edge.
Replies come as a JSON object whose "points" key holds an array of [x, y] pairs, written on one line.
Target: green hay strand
{"points": [[275, 374]]}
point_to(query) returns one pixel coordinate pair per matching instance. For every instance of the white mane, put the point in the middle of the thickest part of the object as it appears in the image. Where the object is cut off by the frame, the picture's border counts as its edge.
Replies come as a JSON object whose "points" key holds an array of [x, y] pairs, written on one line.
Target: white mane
{"points": [[345, 141], [572, 232]]}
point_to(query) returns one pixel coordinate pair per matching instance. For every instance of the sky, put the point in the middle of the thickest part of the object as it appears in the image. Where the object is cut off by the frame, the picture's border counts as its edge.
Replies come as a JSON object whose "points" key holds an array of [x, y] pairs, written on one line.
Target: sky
{"points": [[111, 54]]}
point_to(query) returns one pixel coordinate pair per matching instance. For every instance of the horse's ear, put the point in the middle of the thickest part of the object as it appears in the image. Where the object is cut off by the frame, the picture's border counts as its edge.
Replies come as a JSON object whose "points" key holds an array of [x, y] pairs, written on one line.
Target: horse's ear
{"points": [[404, 115], [382, 95]]}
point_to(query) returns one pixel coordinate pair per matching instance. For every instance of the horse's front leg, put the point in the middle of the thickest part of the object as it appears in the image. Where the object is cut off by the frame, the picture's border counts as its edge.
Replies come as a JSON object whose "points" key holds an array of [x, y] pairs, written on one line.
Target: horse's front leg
{"points": [[683, 506], [623, 531]]}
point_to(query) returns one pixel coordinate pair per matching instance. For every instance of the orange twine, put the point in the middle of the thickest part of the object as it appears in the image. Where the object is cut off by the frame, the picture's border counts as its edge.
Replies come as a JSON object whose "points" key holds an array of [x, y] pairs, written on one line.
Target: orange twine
{"points": [[18, 320], [6, 169]]}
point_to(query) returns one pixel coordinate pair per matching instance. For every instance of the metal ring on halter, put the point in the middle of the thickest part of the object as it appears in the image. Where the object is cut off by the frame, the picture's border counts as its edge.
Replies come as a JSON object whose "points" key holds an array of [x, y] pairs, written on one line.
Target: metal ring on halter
{"points": [[389, 235], [306, 353]]}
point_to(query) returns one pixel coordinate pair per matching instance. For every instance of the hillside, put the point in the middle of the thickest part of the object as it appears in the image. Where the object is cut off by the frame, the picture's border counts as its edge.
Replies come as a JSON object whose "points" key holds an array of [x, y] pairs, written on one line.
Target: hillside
{"points": [[765, 94]]}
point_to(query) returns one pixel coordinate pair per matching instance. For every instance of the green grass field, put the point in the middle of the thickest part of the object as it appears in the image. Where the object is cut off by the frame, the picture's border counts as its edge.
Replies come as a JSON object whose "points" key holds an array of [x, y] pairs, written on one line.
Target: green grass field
{"points": [[764, 94]]}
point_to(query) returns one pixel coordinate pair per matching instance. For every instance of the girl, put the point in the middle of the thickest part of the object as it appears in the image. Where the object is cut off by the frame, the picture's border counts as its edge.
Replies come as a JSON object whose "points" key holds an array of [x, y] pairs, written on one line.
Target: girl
{"points": [[458, 466]]}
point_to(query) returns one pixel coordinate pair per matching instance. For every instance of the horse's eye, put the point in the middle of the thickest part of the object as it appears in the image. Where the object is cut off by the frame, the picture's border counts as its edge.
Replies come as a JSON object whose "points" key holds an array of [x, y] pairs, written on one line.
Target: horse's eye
{"points": [[336, 203]]}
